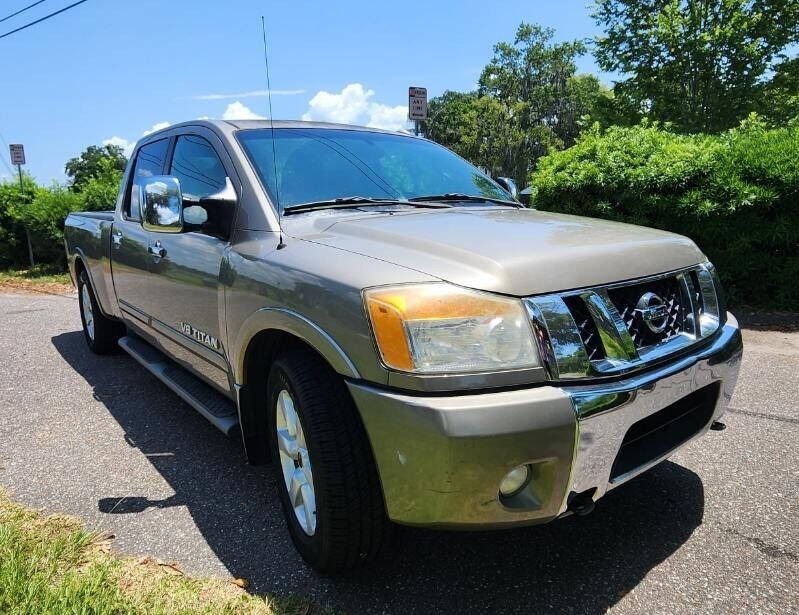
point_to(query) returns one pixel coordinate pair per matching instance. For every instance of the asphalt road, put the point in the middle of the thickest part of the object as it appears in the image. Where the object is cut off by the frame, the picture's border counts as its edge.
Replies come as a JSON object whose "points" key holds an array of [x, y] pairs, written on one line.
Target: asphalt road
{"points": [[713, 530]]}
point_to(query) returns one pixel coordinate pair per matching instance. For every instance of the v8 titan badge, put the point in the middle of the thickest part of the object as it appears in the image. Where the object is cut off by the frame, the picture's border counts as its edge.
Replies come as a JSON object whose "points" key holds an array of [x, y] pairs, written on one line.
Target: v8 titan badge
{"points": [[200, 336]]}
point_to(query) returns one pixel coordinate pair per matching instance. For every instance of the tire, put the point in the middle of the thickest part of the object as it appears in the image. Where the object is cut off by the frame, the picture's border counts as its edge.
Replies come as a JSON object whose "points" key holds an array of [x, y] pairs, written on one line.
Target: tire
{"points": [[101, 333], [349, 526]]}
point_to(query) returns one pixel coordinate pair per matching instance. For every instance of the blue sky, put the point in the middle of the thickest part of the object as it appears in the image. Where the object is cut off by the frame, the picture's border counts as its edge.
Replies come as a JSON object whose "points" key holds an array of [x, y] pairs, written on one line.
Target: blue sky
{"points": [[111, 69]]}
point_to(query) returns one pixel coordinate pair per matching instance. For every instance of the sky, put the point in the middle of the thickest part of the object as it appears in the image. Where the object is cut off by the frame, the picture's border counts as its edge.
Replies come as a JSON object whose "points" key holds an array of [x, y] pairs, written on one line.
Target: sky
{"points": [[109, 71]]}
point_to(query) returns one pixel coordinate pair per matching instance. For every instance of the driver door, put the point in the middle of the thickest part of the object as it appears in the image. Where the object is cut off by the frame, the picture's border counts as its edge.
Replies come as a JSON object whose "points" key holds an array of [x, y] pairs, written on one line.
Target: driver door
{"points": [[187, 301]]}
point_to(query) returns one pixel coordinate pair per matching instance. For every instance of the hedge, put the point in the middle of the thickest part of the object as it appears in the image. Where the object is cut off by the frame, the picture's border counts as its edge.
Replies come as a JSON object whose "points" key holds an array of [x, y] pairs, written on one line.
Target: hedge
{"points": [[735, 194], [43, 211]]}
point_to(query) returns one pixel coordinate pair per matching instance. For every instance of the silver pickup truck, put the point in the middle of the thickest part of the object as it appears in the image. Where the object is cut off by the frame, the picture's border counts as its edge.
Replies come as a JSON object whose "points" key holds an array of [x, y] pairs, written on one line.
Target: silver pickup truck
{"points": [[402, 339]]}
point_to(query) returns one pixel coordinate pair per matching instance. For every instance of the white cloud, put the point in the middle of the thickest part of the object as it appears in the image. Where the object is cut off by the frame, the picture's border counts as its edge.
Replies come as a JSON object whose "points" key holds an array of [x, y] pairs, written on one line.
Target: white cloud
{"points": [[127, 146], [251, 94], [158, 126], [353, 105], [238, 111]]}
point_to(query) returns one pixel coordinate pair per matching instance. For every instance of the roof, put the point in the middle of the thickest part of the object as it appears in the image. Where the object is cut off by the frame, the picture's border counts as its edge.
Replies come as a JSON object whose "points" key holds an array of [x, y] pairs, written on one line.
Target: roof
{"points": [[227, 125]]}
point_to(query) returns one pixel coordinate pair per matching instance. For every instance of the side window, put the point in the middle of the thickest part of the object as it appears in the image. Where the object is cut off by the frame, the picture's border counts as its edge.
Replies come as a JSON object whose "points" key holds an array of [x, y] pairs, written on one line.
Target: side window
{"points": [[198, 168], [149, 162]]}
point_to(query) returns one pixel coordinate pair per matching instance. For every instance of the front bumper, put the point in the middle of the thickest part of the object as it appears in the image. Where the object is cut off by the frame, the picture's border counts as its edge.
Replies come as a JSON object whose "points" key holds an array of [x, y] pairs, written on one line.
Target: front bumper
{"points": [[441, 458]]}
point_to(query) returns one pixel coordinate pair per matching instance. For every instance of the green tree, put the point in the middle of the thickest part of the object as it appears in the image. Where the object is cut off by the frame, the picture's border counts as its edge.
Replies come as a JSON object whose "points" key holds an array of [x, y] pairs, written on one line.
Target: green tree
{"points": [[529, 100], [699, 64], [780, 101], [95, 161]]}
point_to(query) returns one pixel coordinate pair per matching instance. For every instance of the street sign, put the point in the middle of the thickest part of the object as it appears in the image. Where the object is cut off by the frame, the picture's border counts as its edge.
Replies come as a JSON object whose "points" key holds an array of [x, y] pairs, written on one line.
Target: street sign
{"points": [[417, 103], [17, 153]]}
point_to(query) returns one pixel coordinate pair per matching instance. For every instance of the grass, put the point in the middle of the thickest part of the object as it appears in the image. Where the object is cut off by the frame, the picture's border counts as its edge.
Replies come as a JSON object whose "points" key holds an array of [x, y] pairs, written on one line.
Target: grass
{"points": [[51, 565], [41, 278]]}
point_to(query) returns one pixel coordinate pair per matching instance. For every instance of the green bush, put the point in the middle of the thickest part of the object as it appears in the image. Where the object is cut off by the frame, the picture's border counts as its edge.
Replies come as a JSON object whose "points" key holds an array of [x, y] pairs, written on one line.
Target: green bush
{"points": [[736, 195], [43, 211]]}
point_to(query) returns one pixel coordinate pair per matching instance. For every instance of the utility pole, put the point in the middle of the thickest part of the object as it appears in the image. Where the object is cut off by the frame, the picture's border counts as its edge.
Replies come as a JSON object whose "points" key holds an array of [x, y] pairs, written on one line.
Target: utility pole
{"points": [[17, 152]]}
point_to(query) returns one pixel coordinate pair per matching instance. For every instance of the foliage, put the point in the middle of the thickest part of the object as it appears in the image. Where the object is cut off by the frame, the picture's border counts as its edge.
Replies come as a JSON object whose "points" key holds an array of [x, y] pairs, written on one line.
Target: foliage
{"points": [[95, 161], [13, 250], [52, 565], [736, 195], [43, 210], [529, 100], [780, 100], [45, 217], [699, 64]]}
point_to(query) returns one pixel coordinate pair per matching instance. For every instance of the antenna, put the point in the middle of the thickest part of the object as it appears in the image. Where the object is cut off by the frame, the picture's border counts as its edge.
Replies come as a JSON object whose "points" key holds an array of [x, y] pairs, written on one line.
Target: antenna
{"points": [[280, 244]]}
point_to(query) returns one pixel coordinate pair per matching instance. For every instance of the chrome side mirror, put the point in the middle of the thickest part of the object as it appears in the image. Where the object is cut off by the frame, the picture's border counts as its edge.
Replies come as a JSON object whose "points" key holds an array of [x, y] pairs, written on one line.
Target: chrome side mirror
{"points": [[161, 204], [509, 185]]}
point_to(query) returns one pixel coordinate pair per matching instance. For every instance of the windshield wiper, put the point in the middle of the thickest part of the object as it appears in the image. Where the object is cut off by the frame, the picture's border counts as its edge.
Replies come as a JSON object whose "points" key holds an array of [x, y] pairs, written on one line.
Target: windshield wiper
{"points": [[354, 201], [458, 196]]}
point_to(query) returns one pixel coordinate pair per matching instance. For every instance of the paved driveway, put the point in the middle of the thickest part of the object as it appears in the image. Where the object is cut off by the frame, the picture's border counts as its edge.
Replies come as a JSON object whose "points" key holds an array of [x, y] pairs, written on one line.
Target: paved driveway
{"points": [[715, 529]]}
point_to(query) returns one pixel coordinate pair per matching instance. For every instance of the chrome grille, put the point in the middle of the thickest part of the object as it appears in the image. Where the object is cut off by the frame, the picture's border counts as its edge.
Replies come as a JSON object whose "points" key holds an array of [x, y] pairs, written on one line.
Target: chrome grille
{"points": [[616, 328], [625, 299], [586, 327]]}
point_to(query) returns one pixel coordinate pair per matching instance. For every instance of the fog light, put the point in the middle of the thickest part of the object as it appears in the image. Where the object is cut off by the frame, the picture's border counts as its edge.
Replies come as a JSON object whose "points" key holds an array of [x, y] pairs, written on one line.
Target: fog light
{"points": [[514, 480]]}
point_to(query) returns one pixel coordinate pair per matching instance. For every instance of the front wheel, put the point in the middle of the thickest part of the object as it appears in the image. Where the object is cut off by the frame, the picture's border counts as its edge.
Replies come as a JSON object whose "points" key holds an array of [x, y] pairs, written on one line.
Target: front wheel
{"points": [[326, 475], [101, 333]]}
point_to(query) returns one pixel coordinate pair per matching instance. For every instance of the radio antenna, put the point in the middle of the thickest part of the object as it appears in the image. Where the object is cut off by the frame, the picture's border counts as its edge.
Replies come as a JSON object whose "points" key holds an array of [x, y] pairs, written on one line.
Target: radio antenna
{"points": [[280, 244]]}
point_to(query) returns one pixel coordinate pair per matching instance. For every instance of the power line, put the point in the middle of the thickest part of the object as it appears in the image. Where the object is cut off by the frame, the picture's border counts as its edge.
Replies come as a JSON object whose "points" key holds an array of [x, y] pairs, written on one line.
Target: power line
{"points": [[33, 23], [30, 6], [3, 157]]}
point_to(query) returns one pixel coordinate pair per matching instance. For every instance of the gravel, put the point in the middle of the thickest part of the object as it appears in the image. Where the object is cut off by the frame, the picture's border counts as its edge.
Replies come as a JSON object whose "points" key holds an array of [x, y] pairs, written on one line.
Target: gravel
{"points": [[713, 530]]}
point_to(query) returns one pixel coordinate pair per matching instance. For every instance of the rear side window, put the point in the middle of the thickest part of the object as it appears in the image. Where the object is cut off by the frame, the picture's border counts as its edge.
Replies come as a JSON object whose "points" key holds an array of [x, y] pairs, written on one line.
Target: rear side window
{"points": [[149, 162]]}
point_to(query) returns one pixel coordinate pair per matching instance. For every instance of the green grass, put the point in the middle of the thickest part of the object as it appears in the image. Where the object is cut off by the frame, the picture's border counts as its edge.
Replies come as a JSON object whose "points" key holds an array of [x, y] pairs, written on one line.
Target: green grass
{"points": [[40, 274], [52, 565]]}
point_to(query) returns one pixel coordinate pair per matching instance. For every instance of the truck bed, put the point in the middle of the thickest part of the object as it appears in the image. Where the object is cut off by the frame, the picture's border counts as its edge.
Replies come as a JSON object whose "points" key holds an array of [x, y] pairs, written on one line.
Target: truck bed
{"points": [[88, 234]]}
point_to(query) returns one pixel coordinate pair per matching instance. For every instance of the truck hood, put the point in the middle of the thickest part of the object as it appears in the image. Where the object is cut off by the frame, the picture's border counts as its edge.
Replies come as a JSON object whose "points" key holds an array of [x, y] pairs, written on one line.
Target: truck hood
{"points": [[511, 251]]}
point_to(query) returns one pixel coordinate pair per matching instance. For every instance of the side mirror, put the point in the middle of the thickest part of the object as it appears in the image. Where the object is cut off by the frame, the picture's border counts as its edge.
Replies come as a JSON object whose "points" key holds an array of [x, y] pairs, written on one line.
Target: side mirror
{"points": [[161, 204], [218, 209], [509, 185]]}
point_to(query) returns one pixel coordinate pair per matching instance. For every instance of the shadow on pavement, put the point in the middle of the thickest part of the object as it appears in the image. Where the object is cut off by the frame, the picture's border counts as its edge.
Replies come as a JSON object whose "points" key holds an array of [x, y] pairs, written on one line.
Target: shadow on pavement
{"points": [[572, 565]]}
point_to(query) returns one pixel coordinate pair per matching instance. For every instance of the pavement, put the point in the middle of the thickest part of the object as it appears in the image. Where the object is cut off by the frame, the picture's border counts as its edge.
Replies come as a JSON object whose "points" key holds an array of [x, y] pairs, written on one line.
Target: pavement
{"points": [[713, 530]]}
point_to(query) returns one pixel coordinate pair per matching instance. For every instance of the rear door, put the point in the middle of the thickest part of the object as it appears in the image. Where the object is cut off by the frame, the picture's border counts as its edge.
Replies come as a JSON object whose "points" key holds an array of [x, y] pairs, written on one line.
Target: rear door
{"points": [[130, 260], [187, 303]]}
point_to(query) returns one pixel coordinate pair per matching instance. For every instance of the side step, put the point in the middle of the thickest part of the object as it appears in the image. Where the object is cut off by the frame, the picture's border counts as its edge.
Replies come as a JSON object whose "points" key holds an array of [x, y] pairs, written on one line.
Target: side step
{"points": [[214, 406]]}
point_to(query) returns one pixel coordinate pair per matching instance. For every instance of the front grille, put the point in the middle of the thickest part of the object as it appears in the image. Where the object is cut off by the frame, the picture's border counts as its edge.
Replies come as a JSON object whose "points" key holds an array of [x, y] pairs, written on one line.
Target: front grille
{"points": [[589, 334], [616, 328], [626, 298], [654, 436]]}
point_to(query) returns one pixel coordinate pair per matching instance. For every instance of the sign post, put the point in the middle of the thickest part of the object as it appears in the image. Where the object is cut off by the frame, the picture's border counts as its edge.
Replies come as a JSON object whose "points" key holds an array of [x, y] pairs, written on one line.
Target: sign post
{"points": [[17, 152], [417, 106]]}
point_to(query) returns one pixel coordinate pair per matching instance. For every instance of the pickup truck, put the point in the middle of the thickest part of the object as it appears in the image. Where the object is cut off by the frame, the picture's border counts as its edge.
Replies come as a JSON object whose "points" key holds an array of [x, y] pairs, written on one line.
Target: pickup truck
{"points": [[395, 332]]}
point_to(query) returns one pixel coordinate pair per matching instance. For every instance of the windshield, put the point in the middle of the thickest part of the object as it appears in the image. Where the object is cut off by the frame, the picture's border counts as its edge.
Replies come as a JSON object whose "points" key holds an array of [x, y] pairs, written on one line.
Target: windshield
{"points": [[319, 164]]}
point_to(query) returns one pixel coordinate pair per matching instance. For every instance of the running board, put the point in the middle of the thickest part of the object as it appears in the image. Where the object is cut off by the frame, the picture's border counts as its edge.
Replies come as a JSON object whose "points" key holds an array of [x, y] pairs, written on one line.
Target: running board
{"points": [[214, 406]]}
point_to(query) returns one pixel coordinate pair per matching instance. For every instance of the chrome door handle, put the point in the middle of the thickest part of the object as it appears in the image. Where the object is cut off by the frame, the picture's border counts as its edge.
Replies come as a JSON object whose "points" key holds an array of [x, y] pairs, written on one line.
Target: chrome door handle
{"points": [[157, 250], [116, 239]]}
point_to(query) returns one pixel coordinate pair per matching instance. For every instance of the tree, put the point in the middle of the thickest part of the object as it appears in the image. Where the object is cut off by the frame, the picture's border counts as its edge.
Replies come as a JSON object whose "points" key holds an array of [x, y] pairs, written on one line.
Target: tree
{"points": [[94, 162], [699, 64], [529, 100], [780, 100]]}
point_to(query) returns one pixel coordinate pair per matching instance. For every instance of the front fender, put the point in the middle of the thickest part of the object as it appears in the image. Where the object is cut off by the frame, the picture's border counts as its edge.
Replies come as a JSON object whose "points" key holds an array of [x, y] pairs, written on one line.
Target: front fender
{"points": [[281, 319]]}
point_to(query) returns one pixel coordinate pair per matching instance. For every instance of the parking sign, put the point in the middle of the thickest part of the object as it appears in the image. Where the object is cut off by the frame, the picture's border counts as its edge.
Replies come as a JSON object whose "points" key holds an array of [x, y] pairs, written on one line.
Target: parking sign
{"points": [[17, 153], [417, 103]]}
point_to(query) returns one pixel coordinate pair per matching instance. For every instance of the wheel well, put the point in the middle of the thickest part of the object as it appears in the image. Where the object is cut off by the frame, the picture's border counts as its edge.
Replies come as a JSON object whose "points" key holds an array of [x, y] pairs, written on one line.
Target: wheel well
{"points": [[79, 267], [261, 352]]}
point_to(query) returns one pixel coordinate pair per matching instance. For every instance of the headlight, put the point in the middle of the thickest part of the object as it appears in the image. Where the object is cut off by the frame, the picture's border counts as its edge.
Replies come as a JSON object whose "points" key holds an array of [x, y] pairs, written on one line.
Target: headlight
{"points": [[709, 304], [440, 328]]}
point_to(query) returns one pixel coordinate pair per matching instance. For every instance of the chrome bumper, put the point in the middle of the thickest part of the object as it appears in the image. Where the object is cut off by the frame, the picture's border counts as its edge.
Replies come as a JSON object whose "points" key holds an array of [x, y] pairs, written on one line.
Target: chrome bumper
{"points": [[606, 412], [441, 458]]}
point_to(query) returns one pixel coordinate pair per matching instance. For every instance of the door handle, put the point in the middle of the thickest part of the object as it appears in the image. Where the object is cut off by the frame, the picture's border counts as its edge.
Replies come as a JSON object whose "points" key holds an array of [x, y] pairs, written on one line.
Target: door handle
{"points": [[157, 250], [116, 239]]}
